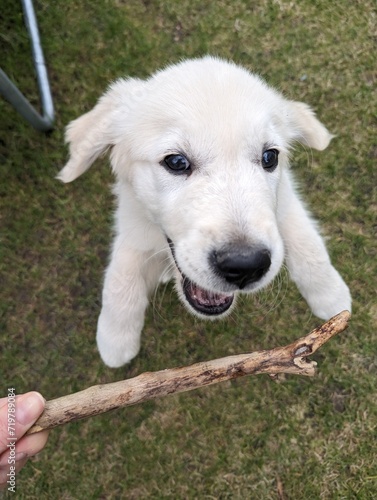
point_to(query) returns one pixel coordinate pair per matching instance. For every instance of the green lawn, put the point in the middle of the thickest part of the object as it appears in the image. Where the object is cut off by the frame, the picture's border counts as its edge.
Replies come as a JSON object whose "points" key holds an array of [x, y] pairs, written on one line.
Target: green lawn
{"points": [[316, 438]]}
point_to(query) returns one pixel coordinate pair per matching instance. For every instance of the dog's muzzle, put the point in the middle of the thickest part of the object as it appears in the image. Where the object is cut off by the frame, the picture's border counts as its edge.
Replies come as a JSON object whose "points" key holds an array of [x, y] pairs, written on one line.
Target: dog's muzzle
{"points": [[237, 266], [201, 300]]}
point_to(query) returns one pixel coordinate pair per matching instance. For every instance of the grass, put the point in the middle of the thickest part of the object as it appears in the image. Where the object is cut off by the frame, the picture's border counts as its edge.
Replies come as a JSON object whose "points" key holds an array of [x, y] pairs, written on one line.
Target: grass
{"points": [[317, 437]]}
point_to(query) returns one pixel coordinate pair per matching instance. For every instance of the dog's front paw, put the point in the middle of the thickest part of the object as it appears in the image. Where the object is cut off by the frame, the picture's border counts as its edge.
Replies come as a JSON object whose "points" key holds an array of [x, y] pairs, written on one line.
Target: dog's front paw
{"points": [[116, 347], [113, 356], [331, 298]]}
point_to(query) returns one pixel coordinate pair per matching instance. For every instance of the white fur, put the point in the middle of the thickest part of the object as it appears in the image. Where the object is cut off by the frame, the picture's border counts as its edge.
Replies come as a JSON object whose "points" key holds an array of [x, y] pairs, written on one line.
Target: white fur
{"points": [[221, 117]]}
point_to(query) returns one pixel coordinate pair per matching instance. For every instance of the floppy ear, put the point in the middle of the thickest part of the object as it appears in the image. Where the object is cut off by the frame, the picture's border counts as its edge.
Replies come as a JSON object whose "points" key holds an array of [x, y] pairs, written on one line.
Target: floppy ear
{"points": [[307, 128], [91, 134]]}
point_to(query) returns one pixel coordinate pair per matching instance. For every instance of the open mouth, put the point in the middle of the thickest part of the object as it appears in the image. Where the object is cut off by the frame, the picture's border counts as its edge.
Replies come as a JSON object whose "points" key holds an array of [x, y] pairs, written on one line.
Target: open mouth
{"points": [[203, 301]]}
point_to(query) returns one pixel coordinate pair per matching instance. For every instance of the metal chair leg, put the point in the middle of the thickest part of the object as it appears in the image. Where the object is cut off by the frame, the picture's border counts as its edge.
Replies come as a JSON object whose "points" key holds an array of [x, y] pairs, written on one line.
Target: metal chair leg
{"points": [[42, 122]]}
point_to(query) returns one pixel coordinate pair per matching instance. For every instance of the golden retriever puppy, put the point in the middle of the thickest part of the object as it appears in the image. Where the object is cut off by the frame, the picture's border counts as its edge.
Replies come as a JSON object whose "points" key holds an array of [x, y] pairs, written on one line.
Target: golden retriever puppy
{"points": [[200, 152]]}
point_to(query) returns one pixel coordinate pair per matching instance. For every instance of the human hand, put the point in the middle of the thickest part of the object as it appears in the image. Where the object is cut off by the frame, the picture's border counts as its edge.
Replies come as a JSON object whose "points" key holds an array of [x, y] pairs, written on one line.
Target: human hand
{"points": [[16, 449]]}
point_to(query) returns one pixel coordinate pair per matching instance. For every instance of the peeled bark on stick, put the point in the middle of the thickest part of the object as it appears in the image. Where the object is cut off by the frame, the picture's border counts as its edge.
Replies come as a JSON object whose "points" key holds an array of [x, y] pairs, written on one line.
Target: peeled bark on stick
{"points": [[150, 385]]}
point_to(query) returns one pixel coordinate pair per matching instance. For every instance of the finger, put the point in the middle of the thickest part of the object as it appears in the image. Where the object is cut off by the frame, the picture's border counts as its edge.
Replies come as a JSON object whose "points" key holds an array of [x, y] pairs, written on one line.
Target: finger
{"points": [[27, 446], [10, 463], [3, 401], [14, 448], [4, 477], [28, 408]]}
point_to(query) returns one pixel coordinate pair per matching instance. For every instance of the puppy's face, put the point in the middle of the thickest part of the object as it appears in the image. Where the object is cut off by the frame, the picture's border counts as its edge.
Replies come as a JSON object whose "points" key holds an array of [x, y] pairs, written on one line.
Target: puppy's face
{"points": [[203, 145]]}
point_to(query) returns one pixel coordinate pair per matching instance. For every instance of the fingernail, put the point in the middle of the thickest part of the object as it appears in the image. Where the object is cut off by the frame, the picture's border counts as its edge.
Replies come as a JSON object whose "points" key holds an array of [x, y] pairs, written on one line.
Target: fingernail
{"points": [[20, 456], [28, 408]]}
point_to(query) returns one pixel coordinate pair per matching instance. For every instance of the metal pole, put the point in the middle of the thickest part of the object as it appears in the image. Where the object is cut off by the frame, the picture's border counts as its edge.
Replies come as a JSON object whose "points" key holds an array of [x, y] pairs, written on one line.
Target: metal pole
{"points": [[11, 92]]}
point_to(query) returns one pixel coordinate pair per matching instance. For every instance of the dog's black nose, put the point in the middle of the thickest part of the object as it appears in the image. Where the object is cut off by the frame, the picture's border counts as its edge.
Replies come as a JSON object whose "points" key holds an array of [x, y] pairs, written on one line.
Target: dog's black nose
{"points": [[241, 265]]}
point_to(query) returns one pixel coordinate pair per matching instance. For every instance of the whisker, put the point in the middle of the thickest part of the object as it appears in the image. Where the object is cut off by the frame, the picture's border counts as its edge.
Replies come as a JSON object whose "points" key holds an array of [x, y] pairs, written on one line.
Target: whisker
{"points": [[158, 290]]}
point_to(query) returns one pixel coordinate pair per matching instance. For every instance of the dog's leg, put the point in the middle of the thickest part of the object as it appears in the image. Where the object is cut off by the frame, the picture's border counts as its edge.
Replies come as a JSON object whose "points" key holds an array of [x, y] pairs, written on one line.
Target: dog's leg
{"points": [[307, 259], [129, 277]]}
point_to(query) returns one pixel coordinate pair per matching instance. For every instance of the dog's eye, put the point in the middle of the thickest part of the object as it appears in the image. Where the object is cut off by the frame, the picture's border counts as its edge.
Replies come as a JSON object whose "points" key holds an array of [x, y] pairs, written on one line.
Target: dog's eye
{"points": [[177, 164], [270, 159]]}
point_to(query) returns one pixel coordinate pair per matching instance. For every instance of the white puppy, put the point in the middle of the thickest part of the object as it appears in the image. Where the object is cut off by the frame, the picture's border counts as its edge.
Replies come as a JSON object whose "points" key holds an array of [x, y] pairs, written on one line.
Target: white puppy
{"points": [[200, 153]]}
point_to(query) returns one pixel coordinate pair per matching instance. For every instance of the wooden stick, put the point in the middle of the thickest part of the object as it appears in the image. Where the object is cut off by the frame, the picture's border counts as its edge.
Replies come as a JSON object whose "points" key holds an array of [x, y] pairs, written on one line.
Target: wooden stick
{"points": [[150, 385]]}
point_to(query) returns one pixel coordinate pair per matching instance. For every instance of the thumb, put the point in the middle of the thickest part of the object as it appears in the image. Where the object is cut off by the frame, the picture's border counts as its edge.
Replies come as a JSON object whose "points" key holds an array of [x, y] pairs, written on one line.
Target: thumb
{"points": [[14, 424]]}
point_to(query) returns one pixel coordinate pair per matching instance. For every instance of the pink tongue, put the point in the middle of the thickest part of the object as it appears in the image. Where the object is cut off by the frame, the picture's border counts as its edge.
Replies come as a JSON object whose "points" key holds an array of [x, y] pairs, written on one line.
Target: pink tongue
{"points": [[205, 298]]}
